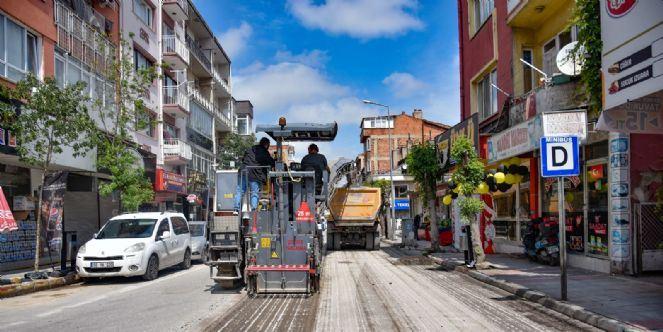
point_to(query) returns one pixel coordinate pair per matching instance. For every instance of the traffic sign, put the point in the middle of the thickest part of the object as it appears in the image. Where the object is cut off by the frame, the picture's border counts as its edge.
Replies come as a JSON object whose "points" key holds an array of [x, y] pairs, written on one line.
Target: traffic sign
{"points": [[560, 156]]}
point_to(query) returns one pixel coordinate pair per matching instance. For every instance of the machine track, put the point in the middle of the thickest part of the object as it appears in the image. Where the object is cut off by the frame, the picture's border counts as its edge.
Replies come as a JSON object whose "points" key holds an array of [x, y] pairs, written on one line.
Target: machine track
{"points": [[270, 313]]}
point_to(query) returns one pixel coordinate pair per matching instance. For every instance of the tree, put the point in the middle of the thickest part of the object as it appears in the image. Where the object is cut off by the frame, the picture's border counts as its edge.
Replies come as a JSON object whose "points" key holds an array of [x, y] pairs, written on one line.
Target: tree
{"points": [[422, 163], [51, 119], [119, 112], [587, 18], [234, 146], [468, 175], [385, 190]]}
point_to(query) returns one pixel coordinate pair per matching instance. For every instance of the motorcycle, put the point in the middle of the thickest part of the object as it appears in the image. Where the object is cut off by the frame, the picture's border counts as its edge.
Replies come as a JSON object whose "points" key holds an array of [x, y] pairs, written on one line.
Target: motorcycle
{"points": [[529, 238], [547, 244]]}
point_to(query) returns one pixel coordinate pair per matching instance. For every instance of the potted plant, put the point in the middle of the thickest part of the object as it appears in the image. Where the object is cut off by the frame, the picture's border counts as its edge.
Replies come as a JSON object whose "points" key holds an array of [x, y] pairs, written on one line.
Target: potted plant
{"points": [[445, 237]]}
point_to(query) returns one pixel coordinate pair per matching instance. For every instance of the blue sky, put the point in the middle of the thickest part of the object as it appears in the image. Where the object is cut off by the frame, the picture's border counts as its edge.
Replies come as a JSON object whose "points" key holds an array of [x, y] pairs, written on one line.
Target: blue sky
{"points": [[316, 60]]}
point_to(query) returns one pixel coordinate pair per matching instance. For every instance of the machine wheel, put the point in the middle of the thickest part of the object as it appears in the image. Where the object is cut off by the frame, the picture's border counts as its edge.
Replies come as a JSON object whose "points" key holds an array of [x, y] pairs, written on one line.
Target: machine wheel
{"points": [[376, 241], [368, 238], [337, 241]]}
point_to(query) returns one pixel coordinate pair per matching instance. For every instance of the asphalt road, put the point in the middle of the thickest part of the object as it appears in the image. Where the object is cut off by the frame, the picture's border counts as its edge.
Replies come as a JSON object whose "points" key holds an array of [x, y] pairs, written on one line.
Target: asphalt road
{"points": [[383, 290], [177, 301]]}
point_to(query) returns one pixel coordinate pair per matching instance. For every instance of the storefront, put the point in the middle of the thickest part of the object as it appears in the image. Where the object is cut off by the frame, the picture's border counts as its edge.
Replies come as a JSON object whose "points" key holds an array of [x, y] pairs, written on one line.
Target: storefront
{"points": [[170, 191]]}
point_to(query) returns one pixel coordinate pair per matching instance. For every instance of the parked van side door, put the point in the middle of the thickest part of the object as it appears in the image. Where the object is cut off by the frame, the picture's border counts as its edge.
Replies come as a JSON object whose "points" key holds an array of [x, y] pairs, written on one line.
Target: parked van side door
{"points": [[164, 246], [182, 237]]}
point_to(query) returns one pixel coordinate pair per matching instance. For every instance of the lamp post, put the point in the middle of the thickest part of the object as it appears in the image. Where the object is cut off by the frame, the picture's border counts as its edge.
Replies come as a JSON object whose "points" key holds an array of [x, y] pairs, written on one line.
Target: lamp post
{"points": [[391, 173]]}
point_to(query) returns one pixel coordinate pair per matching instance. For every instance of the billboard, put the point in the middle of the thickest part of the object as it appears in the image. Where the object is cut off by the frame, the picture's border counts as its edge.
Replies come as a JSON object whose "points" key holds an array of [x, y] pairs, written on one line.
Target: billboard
{"points": [[468, 127]]}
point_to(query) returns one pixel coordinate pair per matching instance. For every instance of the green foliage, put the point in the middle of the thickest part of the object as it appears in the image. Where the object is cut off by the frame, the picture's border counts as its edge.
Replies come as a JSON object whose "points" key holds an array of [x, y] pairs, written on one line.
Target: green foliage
{"points": [[385, 188], [470, 170], [51, 119], [423, 165], [468, 175], [233, 149], [587, 17], [117, 119]]}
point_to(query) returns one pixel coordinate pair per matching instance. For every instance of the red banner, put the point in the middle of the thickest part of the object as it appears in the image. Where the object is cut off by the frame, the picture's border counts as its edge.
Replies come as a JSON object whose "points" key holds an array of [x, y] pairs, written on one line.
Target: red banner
{"points": [[170, 182], [7, 221]]}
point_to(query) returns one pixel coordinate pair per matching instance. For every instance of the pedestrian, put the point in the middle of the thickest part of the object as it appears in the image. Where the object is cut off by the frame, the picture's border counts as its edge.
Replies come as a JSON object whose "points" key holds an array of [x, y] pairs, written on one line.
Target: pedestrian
{"points": [[256, 164], [417, 222]]}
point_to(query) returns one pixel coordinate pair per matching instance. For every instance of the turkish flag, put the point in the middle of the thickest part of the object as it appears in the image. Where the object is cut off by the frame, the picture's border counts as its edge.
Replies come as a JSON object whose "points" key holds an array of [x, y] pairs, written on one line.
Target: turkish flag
{"points": [[7, 221]]}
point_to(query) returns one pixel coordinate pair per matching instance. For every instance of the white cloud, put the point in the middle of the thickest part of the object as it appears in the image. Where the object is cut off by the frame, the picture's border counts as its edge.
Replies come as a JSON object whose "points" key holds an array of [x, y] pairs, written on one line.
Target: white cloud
{"points": [[234, 40], [279, 86], [363, 19], [404, 84], [314, 58], [348, 110]]}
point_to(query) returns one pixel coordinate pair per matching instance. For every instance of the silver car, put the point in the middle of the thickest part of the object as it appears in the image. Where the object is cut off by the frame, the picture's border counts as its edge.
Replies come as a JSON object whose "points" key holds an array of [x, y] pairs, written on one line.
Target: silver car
{"points": [[198, 239]]}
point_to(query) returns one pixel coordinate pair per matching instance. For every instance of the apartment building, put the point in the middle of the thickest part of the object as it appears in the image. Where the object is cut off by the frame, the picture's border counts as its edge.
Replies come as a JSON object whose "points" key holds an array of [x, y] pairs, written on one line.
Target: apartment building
{"points": [[191, 103], [244, 117], [71, 41]]}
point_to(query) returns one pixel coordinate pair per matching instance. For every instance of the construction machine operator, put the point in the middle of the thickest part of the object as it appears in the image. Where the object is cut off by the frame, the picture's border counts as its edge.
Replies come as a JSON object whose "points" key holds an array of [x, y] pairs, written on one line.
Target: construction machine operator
{"points": [[318, 162]]}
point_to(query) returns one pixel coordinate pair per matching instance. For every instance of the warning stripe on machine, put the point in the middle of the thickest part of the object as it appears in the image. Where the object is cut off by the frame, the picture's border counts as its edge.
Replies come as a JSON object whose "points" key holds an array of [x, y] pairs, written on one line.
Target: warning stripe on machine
{"points": [[287, 268]]}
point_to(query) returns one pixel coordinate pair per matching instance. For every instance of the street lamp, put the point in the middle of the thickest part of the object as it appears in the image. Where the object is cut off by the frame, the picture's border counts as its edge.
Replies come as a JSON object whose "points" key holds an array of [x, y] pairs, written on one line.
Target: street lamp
{"points": [[391, 166]]}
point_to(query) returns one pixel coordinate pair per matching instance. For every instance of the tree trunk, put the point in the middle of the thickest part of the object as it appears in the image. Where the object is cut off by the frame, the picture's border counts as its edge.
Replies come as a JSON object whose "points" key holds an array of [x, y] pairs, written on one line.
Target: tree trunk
{"points": [[38, 212], [434, 233], [477, 247]]}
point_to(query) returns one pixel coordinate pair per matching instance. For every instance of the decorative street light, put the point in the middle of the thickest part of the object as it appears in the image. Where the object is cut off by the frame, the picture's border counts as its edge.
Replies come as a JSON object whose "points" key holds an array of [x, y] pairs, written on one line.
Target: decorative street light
{"points": [[391, 166]]}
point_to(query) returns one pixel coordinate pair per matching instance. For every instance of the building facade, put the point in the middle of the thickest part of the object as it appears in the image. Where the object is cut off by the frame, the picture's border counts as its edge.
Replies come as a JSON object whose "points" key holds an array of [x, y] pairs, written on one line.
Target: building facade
{"points": [[190, 105]]}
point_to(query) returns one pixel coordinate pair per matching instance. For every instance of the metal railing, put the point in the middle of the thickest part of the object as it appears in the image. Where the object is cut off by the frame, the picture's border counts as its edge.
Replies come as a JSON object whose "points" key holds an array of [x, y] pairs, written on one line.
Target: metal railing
{"points": [[173, 147], [182, 3], [176, 95], [198, 53], [220, 80], [172, 44]]}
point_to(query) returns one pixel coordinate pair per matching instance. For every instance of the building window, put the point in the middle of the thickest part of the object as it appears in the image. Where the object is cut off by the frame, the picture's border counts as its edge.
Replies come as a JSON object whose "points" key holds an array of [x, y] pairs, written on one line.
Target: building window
{"points": [[69, 71], [141, 62], [382, 122], [487, 96], [482, 11], [19, 51], [143, 11], [200, 120], [401, 191], [368, 145], [528, 75], [243, 124], [551, 48], [147, 125]]}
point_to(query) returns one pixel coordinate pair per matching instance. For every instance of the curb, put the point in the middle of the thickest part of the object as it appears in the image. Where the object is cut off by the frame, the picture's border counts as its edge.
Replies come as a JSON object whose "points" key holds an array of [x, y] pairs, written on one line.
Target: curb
{"points": [[23, 288], [570, 310]]}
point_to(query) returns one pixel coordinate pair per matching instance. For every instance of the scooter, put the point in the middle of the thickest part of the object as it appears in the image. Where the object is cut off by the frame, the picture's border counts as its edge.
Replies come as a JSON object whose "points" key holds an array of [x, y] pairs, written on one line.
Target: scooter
{"points": [[547, 244], [530, 237]]}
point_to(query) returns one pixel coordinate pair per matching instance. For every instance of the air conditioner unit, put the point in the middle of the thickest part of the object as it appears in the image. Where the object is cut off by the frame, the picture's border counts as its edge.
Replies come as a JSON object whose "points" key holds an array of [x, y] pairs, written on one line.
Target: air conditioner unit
{"points": [[106, 3]]}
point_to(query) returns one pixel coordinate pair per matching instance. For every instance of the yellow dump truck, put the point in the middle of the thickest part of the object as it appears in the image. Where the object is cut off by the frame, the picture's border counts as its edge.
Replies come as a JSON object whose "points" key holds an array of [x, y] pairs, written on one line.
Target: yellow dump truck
{"points": [[353, 218]]}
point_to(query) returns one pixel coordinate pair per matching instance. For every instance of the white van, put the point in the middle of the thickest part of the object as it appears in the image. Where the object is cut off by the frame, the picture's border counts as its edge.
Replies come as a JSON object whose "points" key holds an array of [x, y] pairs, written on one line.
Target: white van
{"points": [[136, 244]]}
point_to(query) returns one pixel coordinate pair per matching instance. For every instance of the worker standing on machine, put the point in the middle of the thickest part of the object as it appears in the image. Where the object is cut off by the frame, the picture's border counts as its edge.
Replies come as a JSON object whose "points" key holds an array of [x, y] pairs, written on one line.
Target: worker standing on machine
{"points": [[316, 160], [257, 155]]}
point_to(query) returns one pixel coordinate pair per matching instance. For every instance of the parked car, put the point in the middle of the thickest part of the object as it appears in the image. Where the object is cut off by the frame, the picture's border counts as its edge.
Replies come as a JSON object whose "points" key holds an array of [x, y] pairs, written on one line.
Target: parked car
{"points": [[198, 240], [136, 244]]}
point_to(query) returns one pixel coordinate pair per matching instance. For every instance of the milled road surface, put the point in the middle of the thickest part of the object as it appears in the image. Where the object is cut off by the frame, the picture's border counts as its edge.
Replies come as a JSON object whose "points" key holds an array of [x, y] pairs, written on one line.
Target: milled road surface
{"points": [[387, 291], [177, 301]]}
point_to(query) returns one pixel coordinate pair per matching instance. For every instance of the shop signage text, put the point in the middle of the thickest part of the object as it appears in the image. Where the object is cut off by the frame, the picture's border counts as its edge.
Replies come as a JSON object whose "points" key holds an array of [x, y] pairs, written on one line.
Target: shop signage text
{"points": [[516, 140], [171, 182], [468, 127], [560, 156], [402, 205], [566, 123]]}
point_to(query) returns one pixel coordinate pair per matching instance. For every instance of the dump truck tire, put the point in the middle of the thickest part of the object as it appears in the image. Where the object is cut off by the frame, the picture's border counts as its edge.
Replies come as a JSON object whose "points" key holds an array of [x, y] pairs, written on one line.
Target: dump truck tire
{"points": [[337, 241], [330, 241], [376, 241], [368, 239]]}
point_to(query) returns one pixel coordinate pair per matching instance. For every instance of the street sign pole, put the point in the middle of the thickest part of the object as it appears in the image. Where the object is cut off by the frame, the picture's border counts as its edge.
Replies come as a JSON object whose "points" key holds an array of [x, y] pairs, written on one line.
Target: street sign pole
{"points": [[562, 235]]}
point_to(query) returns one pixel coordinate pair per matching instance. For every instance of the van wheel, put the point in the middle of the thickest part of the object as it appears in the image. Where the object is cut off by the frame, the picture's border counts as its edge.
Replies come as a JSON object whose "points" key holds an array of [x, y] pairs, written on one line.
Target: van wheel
{"points": [[152, 270], [186, 263]]}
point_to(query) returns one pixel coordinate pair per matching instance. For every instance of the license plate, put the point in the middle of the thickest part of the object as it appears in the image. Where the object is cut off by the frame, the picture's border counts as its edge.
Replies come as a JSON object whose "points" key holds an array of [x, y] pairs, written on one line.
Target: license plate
{"points": [[101, 264], [553, 249]]}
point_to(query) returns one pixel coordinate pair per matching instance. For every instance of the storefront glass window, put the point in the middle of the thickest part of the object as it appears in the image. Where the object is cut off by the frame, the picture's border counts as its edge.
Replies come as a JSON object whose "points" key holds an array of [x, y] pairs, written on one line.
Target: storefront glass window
{"points": [[597, 215], [573, 204]]}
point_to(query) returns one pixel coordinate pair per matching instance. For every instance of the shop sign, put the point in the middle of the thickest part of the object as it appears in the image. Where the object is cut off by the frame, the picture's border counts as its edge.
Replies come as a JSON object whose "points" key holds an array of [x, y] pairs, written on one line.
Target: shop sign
{"points": [[468, 128], [170, 182], [402, 205], [522, 109], [162, 196], [516, 140], [566, 123], [644, 115], [55, 186], [7, 221], [632, 35]]}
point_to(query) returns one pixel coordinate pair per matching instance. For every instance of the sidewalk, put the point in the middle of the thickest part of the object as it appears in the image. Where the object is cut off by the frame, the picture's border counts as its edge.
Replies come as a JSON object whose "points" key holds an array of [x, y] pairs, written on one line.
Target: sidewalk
{"points": [[637, 301], [13, 282]]}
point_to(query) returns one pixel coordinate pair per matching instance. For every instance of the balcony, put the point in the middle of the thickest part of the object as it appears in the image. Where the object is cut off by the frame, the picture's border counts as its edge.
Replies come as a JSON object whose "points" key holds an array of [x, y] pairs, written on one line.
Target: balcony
{"points": [[531, 14], [177, 9], [176, 101], [221, 84], [175, 53], [203, 66], [176, 152]]}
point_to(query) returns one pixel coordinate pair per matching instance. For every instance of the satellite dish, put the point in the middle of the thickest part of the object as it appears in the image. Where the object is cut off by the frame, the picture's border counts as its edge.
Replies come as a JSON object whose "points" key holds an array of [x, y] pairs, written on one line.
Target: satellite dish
{"points": [[568, 62]]}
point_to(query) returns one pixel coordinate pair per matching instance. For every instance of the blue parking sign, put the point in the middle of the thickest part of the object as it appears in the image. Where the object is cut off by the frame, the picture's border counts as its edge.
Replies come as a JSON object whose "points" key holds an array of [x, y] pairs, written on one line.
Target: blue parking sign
{"points": [[560, 156]]}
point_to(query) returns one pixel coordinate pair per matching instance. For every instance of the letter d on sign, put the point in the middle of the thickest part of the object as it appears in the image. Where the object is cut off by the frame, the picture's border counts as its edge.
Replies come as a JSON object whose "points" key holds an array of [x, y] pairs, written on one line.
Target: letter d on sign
{"points": [[559, 156]]}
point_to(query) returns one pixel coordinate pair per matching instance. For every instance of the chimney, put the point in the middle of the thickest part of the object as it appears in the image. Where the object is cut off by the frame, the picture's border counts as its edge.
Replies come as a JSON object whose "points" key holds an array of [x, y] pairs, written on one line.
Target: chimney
{"points": [[418, 114]]}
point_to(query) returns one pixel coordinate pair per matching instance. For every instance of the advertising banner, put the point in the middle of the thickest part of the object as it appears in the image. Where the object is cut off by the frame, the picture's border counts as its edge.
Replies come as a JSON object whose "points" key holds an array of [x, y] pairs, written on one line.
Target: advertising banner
{"points": [[516, 140], [7, 221], [468, 127], [632, 65], [55, 186], [402, 204], [170, 182]]}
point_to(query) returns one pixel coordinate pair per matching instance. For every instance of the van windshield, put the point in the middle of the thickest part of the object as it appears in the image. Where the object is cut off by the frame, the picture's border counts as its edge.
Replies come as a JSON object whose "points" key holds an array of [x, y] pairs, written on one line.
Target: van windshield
{"points": [[127, 228]]}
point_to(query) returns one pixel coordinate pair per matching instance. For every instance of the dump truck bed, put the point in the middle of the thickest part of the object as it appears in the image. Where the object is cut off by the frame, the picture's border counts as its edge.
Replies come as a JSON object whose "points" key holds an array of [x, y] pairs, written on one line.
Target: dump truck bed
{"points": [[355, 206]]}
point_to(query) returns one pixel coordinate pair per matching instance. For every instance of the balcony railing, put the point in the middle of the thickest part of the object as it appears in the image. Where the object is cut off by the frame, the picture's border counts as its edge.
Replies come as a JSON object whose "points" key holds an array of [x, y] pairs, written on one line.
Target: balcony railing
{"points": [[174, 148], [198, 53], [220, 80], [222, 112], [176, 95], [172, 44]]}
